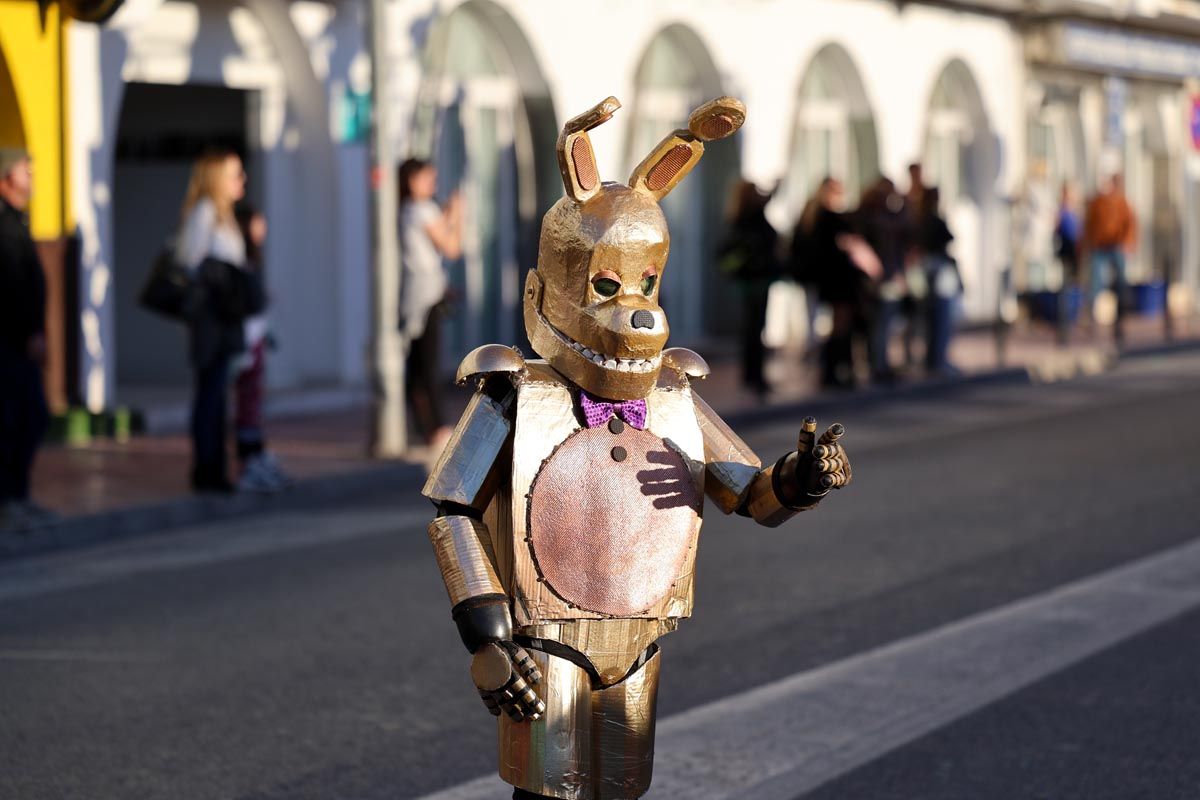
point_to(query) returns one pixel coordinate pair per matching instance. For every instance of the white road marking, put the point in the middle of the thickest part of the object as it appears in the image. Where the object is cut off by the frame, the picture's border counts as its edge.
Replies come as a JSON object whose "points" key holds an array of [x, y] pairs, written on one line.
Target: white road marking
{"points": [[206, 544], [782, 739]]}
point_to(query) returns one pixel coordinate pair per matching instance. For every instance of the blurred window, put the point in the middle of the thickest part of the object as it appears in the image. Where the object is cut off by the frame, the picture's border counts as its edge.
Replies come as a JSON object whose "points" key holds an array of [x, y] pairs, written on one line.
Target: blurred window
{"points": [[834, 130]]}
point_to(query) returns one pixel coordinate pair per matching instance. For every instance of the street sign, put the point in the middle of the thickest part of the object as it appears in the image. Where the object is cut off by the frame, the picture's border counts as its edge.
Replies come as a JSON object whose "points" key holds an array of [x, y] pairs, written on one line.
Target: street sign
{"points": [[1195, 122]]}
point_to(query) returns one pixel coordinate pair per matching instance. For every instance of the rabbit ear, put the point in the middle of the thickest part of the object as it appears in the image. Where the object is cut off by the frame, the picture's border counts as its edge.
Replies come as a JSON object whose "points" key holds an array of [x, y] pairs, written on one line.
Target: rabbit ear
{"points": [[576, 160], [677, 154], [667, 164]]}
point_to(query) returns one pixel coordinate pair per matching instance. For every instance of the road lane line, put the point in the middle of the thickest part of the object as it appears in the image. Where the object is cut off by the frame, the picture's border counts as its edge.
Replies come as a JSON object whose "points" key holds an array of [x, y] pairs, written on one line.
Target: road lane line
{"points": [[782, 739]]}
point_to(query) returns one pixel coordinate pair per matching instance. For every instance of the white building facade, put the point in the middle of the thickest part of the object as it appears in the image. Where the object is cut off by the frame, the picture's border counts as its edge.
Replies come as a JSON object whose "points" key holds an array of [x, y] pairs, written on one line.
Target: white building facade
{"points": [[274, 80], [984, 94]]}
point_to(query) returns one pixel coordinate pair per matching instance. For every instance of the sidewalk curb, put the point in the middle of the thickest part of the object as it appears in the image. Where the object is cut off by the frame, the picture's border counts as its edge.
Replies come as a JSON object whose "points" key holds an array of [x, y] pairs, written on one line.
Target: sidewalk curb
{"points": [[130, 523], [827, 403]]}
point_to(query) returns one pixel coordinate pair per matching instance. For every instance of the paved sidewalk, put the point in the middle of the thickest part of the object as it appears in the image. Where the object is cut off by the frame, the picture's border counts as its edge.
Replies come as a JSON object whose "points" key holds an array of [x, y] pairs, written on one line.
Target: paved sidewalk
{"points": [[109, 489]]}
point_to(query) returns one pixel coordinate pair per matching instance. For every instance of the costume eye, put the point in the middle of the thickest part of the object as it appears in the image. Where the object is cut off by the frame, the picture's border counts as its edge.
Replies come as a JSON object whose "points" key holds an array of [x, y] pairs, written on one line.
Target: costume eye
{"points": [[606, 287], [648, 284]]}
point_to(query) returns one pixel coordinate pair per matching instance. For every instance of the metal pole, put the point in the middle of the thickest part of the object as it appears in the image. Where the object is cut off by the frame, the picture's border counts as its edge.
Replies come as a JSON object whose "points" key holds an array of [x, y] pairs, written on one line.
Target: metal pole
{"points": [[389, 426]]}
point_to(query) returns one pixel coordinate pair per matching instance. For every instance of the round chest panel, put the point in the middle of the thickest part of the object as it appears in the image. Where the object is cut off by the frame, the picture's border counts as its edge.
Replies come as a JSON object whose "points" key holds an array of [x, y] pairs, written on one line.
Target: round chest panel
{"points": [[612, 517]]}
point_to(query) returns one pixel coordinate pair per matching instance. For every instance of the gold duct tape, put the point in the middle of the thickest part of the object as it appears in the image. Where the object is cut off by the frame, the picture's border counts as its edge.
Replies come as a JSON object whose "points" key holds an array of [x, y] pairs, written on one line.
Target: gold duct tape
{"points": [[464, 554], [732, 465], [465, 472], [762, 503], [590, 744]]}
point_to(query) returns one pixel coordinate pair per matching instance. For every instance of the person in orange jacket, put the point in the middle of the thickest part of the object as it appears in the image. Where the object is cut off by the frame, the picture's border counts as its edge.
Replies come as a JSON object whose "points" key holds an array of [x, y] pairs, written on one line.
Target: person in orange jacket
{"points": [[1110, 231]]}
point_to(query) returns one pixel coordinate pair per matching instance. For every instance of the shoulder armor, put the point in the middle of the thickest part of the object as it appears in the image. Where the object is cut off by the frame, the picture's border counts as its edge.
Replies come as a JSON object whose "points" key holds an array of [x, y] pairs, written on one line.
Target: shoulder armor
{"points": [[686, 361], [488, 359]]}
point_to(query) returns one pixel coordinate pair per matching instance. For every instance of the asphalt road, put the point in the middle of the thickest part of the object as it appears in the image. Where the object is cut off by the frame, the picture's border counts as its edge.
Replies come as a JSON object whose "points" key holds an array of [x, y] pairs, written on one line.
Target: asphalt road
{"points": [[310, 654]]}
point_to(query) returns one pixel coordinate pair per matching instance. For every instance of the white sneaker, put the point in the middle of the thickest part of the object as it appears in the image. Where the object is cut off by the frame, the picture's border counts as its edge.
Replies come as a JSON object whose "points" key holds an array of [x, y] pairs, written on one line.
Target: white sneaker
{"points": [[257, 478], [271, 464]]}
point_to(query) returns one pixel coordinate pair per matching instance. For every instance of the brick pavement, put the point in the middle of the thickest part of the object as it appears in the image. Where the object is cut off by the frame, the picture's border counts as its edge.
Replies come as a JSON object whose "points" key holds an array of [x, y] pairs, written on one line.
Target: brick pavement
{"points": [[108, 476]]}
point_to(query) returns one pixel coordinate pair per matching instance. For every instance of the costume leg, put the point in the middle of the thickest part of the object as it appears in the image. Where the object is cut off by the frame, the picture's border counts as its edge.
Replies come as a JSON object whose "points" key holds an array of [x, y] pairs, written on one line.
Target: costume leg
{"points": [[623, 733], [590, 744]]}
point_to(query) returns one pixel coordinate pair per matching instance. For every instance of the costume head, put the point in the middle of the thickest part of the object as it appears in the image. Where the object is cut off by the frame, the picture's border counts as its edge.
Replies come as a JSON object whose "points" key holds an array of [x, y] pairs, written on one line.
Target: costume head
{"points": [[591, 305]]}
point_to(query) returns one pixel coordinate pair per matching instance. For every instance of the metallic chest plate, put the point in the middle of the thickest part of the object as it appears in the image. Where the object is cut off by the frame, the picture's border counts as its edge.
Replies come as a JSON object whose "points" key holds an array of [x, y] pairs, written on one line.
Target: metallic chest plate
{"points": [[612, 536], [547, 419]]}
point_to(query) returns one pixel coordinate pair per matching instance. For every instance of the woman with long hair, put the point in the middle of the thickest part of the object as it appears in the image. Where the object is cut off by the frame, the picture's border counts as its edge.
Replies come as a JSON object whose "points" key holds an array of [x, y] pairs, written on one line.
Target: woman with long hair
{"points": [[837, 262], [209, 233], [428, 234]]}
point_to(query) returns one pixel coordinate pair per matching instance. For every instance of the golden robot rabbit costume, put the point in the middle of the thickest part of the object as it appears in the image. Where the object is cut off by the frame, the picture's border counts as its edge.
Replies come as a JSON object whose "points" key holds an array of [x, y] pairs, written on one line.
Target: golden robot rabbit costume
{"points": [[570, 495]]}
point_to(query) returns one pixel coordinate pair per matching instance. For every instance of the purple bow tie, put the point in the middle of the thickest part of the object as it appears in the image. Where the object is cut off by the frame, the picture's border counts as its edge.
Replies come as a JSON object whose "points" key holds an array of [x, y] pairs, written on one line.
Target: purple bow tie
{"points": [[597, 412]]}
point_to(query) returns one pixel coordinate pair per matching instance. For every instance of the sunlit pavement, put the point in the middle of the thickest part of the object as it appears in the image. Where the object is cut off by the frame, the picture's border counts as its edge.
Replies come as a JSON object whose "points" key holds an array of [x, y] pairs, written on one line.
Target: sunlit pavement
{"points": [[108, 478], [309, 653]]}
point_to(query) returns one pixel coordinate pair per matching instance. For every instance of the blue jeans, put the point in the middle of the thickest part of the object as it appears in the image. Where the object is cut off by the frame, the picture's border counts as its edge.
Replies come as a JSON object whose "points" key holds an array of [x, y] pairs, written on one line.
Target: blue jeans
{"points": [[1102, 259]]}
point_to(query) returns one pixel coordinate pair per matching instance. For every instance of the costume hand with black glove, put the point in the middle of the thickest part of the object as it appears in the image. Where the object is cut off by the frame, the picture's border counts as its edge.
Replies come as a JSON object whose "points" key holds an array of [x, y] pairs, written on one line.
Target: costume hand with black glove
{"points": [[502, 671], [815, 467]]}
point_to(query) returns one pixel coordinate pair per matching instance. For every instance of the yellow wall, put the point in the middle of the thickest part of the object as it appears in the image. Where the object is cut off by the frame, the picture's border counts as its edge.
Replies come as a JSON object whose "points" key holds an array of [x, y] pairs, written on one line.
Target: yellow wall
{"points": [[31, 55]]}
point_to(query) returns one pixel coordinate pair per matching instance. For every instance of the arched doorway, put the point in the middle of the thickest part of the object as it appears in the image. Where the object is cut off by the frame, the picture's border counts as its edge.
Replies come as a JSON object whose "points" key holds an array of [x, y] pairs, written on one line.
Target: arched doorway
{"points": [[485, 118], [834, 130], [961, 158], [676, 74], [232, 73]]}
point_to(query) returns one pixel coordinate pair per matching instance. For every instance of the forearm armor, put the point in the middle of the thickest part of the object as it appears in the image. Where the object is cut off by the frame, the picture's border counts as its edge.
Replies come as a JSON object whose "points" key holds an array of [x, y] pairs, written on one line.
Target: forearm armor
{"points": [[461, 484], [464, 554], [776, 494], [737, 482]]}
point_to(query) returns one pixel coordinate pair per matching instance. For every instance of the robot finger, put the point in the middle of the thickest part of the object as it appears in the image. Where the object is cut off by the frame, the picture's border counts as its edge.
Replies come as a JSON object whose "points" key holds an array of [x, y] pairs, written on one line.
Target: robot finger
{"points": [[835, 432], [826, 481], [489, 700], [839, 480], [831, 465], [525, 700], [526, 667], [829, 451], [808, 435]]}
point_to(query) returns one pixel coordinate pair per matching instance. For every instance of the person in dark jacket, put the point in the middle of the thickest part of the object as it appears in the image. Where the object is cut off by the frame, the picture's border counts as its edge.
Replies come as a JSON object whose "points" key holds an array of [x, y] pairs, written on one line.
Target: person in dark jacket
{"points": [[885, 224], [825, 244], [23, 414], [945, 284], [749, 257]]}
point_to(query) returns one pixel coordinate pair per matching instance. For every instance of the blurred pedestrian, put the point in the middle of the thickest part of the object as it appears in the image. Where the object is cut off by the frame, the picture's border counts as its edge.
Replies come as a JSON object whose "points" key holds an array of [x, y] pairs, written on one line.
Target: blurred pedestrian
{"points": [[836, 261], [428, 234], [884, 221], [942, 278], [23, 413], [749, 256], [260, 471], [210, 246], [1110, 231], [914, 305], [1067, 239]]}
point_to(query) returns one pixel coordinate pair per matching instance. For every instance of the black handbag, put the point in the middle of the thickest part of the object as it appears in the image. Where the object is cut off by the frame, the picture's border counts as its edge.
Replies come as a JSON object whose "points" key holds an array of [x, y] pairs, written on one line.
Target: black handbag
{"points": [[168, 286]]}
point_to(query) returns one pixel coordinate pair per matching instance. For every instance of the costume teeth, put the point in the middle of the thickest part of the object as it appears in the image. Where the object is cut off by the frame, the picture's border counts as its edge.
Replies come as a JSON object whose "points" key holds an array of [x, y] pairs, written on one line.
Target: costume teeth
{"points": [[608, 362]]}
